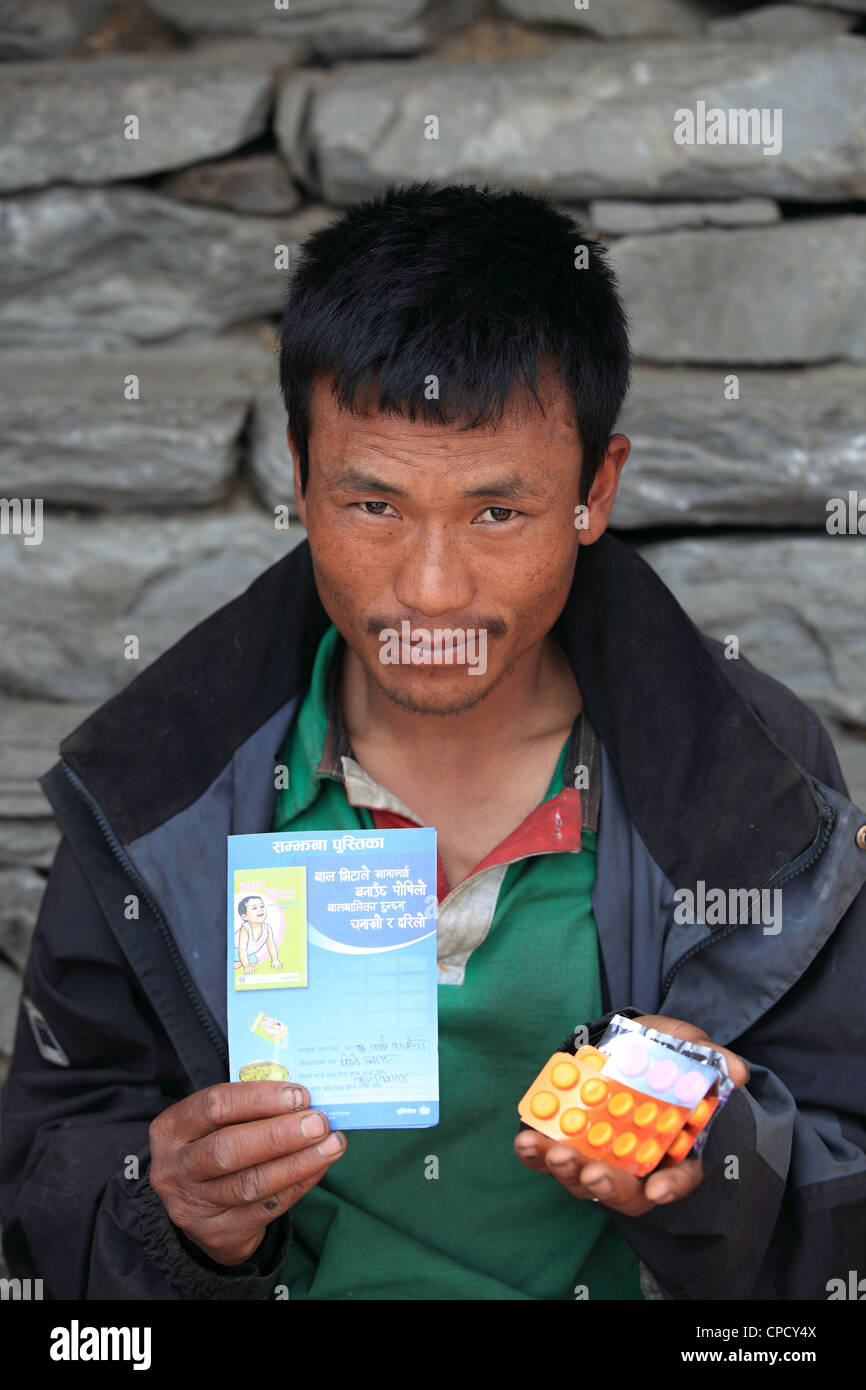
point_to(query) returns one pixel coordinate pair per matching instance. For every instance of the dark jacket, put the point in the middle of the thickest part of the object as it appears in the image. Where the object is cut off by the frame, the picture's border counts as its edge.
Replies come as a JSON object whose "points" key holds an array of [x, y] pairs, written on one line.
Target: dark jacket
{"points": [[711, 771]]}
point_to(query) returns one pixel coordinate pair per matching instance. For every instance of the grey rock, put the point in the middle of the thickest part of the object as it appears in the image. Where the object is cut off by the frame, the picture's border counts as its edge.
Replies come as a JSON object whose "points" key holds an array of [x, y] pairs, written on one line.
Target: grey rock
{"points": [[782, 21], [239, 362], [271, 464], [10, 997], [850, 745], [190, 106], [344, 28], [31, 734], [21, 893], [594, 120], [42, 28], [613, 19], [77, 268], [627, 217], [794, 603], [257, 183], [67, 434], [790, 293], [291, 111], [32, 842], [855, 6], [93, 583], [772, 458], [123, 454], [579, 211]]}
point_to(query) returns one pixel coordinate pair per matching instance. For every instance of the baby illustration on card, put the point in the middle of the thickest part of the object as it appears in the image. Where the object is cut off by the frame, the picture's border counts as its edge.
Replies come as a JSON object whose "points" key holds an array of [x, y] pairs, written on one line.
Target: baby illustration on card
{"points": [[270, 928]]}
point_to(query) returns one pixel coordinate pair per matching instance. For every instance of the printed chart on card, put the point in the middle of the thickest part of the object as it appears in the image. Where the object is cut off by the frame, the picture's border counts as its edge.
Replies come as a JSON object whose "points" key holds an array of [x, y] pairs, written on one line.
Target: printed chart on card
{"points": [[331, 974]]}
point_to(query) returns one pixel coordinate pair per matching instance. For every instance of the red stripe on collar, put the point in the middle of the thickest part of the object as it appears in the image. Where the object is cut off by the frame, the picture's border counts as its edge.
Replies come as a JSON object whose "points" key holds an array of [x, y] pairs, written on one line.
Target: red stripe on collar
{"points": [[553, 826]]}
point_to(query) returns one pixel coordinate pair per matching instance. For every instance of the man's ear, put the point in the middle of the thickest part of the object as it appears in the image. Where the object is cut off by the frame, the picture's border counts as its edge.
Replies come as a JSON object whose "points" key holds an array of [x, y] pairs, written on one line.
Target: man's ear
{"points": [[300, 502], [603, 491]]}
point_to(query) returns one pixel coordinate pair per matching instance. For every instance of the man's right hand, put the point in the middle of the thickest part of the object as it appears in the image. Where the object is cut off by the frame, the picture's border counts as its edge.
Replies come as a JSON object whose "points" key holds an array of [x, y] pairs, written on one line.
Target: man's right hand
{"points": [[230, 1159]]}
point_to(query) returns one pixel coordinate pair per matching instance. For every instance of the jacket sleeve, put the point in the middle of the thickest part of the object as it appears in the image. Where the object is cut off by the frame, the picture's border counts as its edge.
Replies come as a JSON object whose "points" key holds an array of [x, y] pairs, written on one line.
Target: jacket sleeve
{"points": [[760, 1225], [75, 1199], [781, 1210]]}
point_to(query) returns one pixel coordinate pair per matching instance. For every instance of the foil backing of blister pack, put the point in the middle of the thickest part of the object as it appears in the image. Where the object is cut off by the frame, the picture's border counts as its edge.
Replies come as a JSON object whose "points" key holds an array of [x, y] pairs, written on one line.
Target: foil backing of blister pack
{"points": [[693, 1051]]}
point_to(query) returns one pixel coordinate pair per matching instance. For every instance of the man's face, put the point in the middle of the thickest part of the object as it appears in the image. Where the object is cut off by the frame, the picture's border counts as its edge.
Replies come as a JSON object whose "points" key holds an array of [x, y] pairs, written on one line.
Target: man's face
{"points": [[471, 530]]}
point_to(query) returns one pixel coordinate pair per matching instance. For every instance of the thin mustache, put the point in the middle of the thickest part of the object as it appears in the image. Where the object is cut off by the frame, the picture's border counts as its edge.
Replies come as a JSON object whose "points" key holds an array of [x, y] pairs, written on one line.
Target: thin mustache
{"points": [[493, 629]]}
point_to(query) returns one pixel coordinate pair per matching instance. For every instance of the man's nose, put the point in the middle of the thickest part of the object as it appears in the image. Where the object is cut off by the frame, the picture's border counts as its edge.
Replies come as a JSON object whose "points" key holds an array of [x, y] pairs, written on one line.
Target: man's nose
{"points": [[433, 576]]}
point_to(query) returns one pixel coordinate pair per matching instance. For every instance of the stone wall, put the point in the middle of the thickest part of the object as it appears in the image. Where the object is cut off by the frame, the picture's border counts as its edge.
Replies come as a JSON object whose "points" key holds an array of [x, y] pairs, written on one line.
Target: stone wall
{"points": [[146, 251]]}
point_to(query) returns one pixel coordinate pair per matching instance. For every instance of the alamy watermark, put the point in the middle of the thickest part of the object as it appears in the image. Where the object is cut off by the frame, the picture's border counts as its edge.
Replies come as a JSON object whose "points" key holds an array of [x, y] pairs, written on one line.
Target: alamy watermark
{"points": [[77, 1343], [851, 1288], [441, 646], [737, 126], [717, 907], [22, 516], [846, 517], [21, 1290]]}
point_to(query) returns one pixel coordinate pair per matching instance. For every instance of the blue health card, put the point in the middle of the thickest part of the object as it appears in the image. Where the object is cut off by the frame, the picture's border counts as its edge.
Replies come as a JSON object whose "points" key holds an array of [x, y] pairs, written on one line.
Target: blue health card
{"points": [[332, 977]]}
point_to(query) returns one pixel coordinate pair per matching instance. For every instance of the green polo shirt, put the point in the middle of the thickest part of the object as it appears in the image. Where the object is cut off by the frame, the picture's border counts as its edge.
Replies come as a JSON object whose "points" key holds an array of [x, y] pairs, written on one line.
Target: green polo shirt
{"points": [[450, 1212]]}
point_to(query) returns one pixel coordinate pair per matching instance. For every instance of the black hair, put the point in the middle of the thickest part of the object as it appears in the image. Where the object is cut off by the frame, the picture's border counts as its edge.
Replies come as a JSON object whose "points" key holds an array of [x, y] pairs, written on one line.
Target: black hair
{"points": [[242, 905], [477, 288]]}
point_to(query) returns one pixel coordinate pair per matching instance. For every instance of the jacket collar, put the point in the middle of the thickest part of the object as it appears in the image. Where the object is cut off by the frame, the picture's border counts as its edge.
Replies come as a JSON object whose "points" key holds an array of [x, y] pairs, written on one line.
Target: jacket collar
{"points": [[709, 791]]}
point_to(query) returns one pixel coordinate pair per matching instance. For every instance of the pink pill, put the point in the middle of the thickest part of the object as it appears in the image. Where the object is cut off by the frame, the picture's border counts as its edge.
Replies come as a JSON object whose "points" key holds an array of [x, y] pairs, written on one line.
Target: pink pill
{"points": [[690, 1086], [632, 1059], [661, 1075]]}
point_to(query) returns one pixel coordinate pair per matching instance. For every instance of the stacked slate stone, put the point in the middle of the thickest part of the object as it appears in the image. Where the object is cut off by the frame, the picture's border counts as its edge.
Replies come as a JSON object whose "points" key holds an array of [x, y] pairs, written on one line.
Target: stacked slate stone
{"points": [[160, 164]]}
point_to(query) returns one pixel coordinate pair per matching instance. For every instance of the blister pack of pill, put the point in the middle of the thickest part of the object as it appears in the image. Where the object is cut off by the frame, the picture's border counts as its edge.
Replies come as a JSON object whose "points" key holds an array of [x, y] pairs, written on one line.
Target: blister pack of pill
{"points": [[691, 1059], [636, 1097]]}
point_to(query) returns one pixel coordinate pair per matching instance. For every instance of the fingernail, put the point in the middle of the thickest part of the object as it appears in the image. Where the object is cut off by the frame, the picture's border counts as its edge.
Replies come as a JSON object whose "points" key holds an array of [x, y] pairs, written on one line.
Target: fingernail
{"points": [[293, 1099], [666, 1196], [332, 1145], [603, 1186], [528, 1151], [314, 1124]]}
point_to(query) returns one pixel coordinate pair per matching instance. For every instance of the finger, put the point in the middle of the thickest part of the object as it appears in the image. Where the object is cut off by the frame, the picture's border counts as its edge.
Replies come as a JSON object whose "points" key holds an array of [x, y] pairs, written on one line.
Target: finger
{"points": [[587, 1178], [676, 1027], [593, 1180], [531, 1147], [229, 1103], [675, 1182], [236, 1228], [738, 1068], [237, 1231], [534, 1151], [236, 1147], [622, 1192], [261, 1187]]}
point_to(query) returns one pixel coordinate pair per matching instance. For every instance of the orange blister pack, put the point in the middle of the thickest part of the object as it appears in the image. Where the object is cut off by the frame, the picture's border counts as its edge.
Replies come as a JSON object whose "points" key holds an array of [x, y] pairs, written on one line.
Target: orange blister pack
{"points": [[601, 1117]]}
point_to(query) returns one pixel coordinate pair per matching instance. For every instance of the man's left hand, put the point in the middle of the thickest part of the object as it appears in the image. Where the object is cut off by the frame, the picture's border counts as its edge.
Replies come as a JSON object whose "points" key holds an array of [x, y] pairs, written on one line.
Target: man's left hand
{"points": [[589, 1178]]}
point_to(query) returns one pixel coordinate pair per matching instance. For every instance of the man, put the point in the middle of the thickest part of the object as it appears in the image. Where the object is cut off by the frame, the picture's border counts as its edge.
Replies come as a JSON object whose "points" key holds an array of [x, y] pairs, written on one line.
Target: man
{"points": [[452, 372]]}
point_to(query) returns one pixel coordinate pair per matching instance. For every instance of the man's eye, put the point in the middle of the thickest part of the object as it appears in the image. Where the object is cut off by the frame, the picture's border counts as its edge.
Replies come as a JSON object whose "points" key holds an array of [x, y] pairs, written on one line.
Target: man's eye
{"points": [[375, 504], [509, 513]]}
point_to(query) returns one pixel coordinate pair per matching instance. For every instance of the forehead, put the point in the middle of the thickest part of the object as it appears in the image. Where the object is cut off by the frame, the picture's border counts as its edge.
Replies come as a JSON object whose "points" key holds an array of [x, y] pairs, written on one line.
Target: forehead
{"points": [[521, 415]]}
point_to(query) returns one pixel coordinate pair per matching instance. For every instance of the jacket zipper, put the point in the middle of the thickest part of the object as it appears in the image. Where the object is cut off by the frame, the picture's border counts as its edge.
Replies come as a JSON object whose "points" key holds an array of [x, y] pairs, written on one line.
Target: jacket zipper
{"points": [[828, 817], [198, 1004]]}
